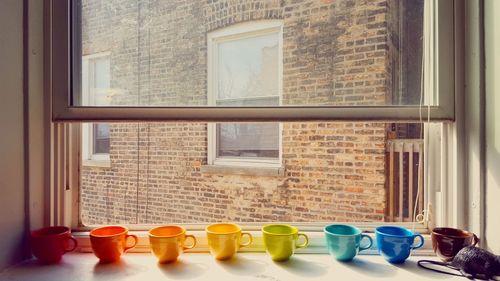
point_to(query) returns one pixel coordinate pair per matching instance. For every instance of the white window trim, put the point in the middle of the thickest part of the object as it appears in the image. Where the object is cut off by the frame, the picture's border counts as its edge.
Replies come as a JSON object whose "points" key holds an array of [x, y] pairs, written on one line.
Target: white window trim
{"points": [[89, 158], [241, 31]]}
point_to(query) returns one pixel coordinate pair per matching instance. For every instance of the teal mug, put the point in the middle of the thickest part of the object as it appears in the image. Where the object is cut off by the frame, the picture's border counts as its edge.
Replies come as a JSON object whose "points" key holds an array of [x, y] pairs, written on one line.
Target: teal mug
{"points": [[344, 241]]}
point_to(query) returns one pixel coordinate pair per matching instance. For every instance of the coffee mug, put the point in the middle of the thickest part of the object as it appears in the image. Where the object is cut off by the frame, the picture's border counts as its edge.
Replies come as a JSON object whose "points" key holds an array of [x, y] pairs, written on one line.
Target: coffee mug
{"points": [[446, 241], [396, 243], [168, 242], [224, 239], [280, 240], [110, 242], [344, 241], [49, 244]]}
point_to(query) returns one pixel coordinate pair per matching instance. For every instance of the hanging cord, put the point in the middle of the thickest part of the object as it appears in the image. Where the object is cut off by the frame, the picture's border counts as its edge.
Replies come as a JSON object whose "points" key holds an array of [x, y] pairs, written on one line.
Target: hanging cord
{"points": [[138, 103], [148, 124], [423, 136]]}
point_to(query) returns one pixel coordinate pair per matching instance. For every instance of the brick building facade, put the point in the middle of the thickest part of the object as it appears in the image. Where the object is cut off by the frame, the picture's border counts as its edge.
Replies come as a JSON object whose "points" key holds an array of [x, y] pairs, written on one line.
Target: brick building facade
{"points": [[334, 52]]}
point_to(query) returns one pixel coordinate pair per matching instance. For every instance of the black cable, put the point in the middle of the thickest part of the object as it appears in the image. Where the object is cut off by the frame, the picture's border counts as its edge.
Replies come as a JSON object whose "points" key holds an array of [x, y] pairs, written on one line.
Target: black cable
{"points": [[422, 263]]}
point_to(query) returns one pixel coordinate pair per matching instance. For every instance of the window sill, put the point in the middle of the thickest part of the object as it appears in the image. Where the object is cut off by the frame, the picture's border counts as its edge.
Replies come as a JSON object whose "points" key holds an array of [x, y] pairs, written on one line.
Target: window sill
{"points": [[243, 171], [97, 163], [247, 266]]}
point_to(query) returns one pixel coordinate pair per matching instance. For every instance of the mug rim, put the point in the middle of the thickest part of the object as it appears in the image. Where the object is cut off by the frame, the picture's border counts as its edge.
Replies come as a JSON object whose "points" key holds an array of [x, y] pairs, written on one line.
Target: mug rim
{"points": [[410, 233], [342, 235], [469, 234], [293, 228], [238, 228], [124, 231], [183, 231], [37, 233]]}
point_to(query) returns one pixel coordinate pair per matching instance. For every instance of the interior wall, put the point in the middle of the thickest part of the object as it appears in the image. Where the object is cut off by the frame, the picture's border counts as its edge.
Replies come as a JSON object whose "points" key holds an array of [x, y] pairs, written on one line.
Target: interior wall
{"points": [[12, 200], [492, 61]]}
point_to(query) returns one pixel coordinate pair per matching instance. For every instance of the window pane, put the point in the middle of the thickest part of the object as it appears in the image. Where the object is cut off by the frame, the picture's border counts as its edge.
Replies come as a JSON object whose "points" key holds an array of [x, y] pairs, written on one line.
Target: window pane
{"points": [[248, 140], [355, 52], [102, 77], [101, 138], [248, 67], [333, 171]]}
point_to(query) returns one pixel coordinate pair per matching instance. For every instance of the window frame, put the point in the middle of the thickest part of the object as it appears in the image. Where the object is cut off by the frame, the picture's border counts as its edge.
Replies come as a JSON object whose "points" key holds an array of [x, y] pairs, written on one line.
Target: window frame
{"points": [[65, 33], [89, 158], [235, 32], [63, 200]]}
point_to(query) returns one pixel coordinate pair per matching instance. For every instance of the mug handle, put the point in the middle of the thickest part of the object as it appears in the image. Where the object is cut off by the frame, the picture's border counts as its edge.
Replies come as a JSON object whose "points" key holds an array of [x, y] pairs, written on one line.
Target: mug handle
{"points": [[303, 245], [476, 240], [250, 239], [193, 244], [421, 242], [75, 244], [369, 245], [135, 241]]}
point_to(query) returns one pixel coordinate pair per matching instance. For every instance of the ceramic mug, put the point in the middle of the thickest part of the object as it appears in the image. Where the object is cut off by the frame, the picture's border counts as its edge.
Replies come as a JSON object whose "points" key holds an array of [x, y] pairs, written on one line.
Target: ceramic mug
{"points": [[280, 240], [224, 239], [396, 243], [49, 244], [344, 241], [110, 242], [447, 242], [168, 242]]}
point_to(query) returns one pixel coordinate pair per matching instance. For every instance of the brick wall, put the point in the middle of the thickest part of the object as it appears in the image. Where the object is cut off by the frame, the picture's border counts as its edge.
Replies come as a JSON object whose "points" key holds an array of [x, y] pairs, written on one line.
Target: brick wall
{"points": [[334, 52]]}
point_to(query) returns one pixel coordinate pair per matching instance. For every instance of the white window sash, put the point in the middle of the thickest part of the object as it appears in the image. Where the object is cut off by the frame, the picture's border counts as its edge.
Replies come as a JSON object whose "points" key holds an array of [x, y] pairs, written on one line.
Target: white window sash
{"points": [[63, 109]]}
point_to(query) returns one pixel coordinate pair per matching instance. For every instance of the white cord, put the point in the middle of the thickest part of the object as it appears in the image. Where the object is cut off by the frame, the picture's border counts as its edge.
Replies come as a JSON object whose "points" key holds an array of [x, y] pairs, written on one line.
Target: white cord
{"points": [[420, 107]]}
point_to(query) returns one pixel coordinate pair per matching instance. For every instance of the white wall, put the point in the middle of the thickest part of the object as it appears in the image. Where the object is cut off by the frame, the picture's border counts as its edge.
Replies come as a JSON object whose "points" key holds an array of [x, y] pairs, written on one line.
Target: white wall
{"points": [[12, 201], [492, 60]]}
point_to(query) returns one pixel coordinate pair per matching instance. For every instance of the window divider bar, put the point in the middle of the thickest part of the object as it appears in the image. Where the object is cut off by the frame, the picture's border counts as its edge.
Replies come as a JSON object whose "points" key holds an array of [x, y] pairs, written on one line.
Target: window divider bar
{"points": [[249, 114]]}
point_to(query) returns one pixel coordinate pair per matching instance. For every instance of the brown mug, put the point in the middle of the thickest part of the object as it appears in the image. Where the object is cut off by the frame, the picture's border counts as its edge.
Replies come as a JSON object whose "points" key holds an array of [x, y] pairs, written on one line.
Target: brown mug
{"points": [[49, 244], [447, 242]]}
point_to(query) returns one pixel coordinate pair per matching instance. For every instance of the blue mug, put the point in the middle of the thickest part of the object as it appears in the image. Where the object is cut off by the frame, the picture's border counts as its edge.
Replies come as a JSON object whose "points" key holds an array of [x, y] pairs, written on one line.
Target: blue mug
{"points": [[396, 243], [343, 241]]}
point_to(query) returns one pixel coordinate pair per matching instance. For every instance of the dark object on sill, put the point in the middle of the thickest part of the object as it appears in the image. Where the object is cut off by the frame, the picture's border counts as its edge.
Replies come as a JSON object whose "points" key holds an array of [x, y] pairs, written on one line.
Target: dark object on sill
{"points": [[471, 262]]}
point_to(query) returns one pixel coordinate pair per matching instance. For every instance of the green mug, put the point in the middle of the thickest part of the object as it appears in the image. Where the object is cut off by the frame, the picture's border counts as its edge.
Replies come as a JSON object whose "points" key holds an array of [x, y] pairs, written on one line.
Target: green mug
{"points": [[280, 240]]}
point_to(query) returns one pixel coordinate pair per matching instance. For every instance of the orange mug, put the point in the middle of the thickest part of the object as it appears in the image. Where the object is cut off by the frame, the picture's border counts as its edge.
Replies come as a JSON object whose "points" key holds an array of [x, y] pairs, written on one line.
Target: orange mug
{"points": [[110, 242], [48, 244]]}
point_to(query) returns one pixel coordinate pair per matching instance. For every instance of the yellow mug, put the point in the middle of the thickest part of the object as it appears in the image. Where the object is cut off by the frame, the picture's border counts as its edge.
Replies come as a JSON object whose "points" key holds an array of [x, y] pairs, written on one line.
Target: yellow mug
{"points": [[280, 240], [168, 242], [224, 239]]}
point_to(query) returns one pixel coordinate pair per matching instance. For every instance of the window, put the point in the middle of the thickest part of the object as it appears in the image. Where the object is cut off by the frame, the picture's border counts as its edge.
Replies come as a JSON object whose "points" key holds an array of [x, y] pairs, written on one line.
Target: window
{"points": [[96, 80], [244, 68], [335, 82]]}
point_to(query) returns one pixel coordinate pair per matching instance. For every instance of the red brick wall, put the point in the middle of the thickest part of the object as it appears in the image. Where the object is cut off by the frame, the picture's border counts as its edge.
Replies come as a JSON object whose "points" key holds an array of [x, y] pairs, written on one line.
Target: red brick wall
{"points": [[334, 52]]}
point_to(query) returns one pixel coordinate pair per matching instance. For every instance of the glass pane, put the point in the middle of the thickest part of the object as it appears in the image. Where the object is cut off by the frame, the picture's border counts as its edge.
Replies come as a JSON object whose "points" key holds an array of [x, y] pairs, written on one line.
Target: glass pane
{"points": [[333, 171], [248, 140], [102, 78], [101, 138], [248, 67], [163, 53]]}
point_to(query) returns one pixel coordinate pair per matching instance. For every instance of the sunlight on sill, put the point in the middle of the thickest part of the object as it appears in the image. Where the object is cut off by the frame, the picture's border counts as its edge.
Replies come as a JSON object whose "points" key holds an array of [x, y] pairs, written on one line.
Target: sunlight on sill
{"points": [[244, 266]]}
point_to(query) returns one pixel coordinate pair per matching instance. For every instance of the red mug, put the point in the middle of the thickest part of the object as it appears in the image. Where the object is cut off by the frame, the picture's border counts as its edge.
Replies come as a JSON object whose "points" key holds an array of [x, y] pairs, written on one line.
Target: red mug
{"points": [[49, 244]]}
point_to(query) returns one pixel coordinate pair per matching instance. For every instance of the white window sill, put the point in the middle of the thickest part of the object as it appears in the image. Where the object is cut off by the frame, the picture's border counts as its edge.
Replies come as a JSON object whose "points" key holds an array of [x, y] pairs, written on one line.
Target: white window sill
{"points": [[243, 171], [97, 163], [196, 266]]}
